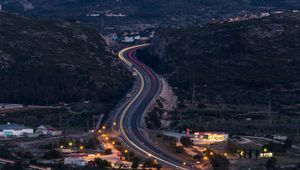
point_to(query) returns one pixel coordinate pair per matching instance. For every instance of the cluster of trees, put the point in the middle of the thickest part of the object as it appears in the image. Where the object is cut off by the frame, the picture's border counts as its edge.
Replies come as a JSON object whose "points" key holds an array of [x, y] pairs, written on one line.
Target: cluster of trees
{"points": [[279, 147], [18, 165], [101, 163]]}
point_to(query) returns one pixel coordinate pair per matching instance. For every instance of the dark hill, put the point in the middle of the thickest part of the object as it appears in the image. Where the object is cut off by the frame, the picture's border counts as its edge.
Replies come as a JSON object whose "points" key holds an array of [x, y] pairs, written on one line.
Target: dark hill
{"points": [[246, 62], [46, 62]]}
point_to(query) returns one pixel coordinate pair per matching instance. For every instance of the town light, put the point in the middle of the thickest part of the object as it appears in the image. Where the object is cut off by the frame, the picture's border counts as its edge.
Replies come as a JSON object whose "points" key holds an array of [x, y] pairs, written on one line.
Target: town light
{"points": [[126, 151], [61, 146], [205, 158], [81, 147], [115, 123], [106, 138], [184, 163], [211, 153], [103, 127], [70, 143], [99, 131], [265, 150], [113, 142], [149, 155], [225, 154]]}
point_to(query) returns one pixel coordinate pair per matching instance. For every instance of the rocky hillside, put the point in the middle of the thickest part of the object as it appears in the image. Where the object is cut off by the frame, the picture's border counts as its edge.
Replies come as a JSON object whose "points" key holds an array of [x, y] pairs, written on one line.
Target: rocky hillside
{"points": [[47, 62], [249, 62]]}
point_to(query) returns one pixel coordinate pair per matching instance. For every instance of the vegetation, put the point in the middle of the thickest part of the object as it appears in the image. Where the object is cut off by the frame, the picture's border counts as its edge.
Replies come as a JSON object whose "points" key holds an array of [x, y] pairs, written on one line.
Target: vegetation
{"points": [[47, 62], [249, 62], [53, 154], [219, 162], [101, 163], [271, 163]]}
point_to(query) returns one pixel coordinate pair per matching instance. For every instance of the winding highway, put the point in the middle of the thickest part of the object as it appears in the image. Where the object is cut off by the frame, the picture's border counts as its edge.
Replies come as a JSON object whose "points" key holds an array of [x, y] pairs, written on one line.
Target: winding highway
{"points": [[129, 116]]}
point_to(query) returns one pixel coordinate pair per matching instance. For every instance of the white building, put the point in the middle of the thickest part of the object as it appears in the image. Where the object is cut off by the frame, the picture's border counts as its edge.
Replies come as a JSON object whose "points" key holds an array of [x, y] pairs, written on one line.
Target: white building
{"points": [[209, 137], [48, 130], [75, 161], [12, 129]]}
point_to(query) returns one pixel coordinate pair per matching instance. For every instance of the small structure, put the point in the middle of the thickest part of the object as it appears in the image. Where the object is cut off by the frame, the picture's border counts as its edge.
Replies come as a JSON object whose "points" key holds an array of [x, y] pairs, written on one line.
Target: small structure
{"points": [[12, 129], [75, 161], [209, 137], [48, 130]]}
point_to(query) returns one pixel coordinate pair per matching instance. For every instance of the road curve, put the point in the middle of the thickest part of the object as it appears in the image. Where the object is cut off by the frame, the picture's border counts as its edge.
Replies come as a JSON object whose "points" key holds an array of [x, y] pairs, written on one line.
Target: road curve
{"points": [[129, 117]]}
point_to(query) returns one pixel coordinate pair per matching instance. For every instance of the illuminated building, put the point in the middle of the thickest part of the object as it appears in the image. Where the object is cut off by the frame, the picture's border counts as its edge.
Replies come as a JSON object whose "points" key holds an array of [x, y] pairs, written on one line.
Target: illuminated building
{"points": [[209, 137]]}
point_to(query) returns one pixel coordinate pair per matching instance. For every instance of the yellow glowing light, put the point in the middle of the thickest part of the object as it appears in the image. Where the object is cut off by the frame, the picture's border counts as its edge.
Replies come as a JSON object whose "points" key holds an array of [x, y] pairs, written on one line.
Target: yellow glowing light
{"points": [[225, 154], [103, 127], [81, 147], [113, 142], [99, 131], [205, 158], [211, 153], [184, 163], [204, 149], [265, 150], [70, 143], [149, 155], [126, 151], [106, 138]]}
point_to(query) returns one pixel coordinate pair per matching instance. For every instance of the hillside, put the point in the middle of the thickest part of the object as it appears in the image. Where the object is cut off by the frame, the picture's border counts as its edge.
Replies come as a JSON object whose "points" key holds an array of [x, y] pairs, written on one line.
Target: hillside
{"points": [[167, 12], [47, 62], [249, 62]]}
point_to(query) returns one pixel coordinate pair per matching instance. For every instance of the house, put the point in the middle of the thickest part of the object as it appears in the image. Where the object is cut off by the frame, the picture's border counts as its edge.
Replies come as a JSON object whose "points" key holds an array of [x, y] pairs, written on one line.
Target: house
{"points": [[48, 130], [12, 129]]}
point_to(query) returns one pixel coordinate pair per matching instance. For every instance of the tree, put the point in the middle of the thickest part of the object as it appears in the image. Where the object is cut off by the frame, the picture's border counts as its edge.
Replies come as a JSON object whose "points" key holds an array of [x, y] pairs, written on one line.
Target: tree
{"points": [[219, 162], [107, 151], [288, 143], [271, 163], [135, 162], [198, 157], [53, 154], [102, 163], [179, 149], [186, 141], [250, 153]]}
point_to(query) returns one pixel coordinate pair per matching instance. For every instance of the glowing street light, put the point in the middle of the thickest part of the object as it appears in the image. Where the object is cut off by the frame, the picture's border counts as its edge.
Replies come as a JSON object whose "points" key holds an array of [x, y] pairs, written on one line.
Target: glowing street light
{"points": [[211, 153], [126, 151], [81, 147], [114, 123], [70, 143], [103, 127], [99, 131], [225, 154], [113, 142]]}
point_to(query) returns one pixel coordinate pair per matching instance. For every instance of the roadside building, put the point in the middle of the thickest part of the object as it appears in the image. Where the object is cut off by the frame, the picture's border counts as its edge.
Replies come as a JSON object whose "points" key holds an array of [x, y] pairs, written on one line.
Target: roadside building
{"points": [[75, 161], [209, 137], [48, 130], [12, 129]]}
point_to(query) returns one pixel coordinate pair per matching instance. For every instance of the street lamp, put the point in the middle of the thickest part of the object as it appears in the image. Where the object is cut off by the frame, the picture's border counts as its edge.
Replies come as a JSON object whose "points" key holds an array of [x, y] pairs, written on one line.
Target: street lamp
{"points": [[70, 143], [81, 147]]}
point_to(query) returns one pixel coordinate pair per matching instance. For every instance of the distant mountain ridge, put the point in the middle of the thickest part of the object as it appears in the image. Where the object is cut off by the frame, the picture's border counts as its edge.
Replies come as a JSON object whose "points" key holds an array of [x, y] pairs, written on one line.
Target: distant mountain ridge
{"points": [[47, 62], [249, 62]]}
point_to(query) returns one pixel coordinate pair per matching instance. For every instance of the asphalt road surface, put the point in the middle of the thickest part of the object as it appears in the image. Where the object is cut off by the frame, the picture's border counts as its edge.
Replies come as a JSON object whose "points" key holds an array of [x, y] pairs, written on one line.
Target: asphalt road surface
{"points": [[129, 118]]}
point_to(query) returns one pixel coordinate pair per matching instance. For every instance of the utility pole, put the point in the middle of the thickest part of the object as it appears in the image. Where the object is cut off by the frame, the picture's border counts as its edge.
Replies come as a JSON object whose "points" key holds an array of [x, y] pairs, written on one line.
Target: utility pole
{"points": [[193, 94]]}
